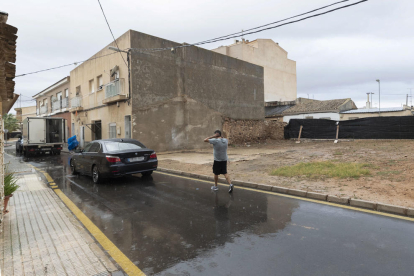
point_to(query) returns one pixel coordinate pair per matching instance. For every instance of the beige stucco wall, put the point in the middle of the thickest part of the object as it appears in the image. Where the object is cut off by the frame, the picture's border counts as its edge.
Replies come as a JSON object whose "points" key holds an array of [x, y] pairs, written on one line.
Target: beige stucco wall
{"points": [[24, 112], [279, 71], [368, 115], [93, 108]]}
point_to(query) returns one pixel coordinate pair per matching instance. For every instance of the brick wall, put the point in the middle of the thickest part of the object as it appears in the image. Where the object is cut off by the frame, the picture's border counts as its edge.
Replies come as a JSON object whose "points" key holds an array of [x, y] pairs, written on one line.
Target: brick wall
{"points": [[252, 131]]}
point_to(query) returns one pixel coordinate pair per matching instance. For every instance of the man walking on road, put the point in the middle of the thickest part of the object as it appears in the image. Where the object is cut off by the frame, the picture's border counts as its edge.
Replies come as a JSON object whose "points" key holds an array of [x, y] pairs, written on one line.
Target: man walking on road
{"points": [[220, 145]]}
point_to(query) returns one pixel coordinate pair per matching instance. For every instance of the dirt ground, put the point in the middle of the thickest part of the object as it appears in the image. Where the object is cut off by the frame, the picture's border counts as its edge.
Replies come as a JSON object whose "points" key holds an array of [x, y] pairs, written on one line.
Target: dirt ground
{"points": [[390, 181]]}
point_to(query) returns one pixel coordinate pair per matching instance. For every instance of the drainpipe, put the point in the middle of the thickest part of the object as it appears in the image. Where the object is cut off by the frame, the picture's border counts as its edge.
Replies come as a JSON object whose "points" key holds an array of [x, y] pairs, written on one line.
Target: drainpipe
{"points": [[129, 76]]}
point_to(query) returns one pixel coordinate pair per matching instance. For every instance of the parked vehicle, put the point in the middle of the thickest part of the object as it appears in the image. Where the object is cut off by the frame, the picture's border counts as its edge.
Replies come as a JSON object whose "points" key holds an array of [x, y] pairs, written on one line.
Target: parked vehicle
{"points": [[42, 135], [114, 158]]}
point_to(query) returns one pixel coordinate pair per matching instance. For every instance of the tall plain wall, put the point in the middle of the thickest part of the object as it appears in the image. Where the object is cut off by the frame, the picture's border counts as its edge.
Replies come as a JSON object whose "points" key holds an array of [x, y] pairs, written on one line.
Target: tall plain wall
{"points": [[180, 98], [279, 71]]}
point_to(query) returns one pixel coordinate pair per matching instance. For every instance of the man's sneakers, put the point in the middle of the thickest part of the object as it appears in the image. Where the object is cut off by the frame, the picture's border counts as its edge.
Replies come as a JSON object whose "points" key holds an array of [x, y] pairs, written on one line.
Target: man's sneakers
{"points": [[215, 188]]}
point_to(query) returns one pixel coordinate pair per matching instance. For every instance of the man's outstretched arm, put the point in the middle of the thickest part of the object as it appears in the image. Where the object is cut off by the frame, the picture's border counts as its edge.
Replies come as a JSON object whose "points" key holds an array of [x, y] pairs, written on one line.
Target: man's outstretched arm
{"points": [[211, 137]]}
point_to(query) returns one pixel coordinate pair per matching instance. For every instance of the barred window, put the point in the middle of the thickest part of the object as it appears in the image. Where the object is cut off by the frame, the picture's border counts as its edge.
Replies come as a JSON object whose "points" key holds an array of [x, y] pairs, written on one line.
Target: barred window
{"points": [[112, 130]]}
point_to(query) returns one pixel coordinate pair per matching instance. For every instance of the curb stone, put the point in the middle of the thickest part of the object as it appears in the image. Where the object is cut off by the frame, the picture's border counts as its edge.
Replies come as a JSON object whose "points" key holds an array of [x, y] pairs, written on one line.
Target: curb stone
{"points": [[340, 200], [264, 187], [363, 204], [280, 190], [317, 196], [297, 192], [391, 209], [330, 198], [249, 184]]}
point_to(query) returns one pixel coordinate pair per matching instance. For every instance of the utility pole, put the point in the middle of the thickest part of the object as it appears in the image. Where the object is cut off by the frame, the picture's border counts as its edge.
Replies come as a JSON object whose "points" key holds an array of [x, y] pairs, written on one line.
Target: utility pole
{"points": [[411, 97], [379, 98], [371, 98]]}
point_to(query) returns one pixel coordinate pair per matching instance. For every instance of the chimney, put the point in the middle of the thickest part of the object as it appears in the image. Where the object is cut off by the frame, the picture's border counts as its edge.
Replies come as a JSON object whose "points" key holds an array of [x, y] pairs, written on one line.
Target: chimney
{"points": [[368, 103], [3, 17]]}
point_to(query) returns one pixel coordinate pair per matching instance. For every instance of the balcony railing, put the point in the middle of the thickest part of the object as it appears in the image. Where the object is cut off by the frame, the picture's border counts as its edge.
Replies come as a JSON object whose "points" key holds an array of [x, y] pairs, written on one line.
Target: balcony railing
{"points": [[76, 102], [60, 104], [43, 109], [56, 105], [114, 88], [65, 103]]}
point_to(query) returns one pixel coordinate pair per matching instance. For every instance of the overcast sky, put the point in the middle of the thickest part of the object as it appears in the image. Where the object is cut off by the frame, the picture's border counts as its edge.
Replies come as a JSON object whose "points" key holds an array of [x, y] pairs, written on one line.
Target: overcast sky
{"points": [[338, 55]]}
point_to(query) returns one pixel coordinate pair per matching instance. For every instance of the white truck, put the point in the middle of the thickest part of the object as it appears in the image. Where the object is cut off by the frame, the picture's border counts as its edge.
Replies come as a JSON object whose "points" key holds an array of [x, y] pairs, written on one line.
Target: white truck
{"points": [[42, 135]]}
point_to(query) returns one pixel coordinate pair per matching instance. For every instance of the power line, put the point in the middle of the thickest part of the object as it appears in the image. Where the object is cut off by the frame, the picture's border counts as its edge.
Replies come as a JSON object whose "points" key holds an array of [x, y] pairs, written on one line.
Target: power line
{"points": [[210, 40], [261, 30], [73, 63], [111, 32], [243, 31]]}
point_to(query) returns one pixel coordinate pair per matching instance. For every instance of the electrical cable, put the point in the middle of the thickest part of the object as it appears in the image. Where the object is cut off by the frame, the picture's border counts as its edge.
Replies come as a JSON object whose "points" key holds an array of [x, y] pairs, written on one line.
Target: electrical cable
{"points": [[73, 63], [112, 33], [242, 32], [261, 30], [210, 40]]}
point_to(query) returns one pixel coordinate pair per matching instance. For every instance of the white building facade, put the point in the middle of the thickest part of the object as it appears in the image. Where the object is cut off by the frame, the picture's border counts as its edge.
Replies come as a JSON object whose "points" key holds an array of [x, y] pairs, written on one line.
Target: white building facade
{"points": [[279, 71]]}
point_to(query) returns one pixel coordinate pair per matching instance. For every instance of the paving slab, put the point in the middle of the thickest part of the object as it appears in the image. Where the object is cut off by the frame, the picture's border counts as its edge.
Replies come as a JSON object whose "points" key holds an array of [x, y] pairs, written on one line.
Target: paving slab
{"points": [[41, 236]]}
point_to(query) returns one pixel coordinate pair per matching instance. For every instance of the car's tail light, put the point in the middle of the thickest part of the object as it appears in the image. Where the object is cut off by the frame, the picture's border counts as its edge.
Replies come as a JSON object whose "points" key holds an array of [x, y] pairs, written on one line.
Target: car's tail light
{"points": [[31, 150], [113, 159], [153, 155]]}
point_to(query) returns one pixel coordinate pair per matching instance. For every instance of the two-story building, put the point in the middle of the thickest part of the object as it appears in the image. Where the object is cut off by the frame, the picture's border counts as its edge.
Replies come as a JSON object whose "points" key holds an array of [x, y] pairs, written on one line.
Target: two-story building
{"points": [[53, 101], [168, 100]]}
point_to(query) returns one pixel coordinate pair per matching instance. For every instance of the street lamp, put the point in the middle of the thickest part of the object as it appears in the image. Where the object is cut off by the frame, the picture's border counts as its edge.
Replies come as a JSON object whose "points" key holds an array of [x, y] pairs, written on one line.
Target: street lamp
{"points": [[116, 49], [379, 97]]}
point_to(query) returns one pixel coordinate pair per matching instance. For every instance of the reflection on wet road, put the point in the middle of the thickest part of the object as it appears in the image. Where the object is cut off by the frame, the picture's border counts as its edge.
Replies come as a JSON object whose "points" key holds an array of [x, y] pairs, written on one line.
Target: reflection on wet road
{"points": [[168, 225]]}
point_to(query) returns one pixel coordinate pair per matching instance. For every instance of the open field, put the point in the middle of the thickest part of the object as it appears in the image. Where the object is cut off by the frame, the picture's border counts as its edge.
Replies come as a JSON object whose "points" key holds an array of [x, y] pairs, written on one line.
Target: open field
{"points": [[384, 168]]}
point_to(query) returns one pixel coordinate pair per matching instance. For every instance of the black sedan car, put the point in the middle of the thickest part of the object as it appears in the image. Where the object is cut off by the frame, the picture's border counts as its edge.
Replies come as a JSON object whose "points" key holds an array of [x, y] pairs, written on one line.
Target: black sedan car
{"points": [[113, 158]]}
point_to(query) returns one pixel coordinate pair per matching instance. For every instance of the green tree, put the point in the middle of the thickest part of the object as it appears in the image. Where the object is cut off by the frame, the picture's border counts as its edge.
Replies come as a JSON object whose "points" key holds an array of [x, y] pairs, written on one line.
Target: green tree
{"points": [[10, 122]]}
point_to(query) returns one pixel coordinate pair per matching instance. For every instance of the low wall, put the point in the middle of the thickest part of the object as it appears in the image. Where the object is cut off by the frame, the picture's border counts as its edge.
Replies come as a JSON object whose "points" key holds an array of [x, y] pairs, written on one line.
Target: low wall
{"points": [[365, 128], [252, 131]]}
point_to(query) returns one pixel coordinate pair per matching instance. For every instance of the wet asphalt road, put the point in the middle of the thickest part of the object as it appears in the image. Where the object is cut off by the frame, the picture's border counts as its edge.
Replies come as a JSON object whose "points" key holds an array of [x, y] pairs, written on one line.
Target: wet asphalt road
{"points": [[168, 225]]}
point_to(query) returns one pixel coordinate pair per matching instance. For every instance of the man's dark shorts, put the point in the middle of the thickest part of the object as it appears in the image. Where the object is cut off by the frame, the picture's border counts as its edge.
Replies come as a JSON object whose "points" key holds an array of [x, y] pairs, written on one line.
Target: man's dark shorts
{"points": [[220, 167]]}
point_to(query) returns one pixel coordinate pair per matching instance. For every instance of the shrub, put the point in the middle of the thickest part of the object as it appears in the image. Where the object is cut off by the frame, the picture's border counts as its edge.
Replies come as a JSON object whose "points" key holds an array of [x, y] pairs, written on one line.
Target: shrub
{"points": [[10, 185]]}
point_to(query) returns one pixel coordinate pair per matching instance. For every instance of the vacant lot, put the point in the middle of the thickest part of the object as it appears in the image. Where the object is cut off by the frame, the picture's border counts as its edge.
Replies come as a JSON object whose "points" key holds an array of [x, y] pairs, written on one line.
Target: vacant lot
{"points": [[379, 171]]}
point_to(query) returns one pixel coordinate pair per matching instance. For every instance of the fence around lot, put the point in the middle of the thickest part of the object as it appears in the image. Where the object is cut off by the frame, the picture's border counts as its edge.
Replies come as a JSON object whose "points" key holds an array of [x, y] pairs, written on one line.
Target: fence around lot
{"points": [[366, 128]]}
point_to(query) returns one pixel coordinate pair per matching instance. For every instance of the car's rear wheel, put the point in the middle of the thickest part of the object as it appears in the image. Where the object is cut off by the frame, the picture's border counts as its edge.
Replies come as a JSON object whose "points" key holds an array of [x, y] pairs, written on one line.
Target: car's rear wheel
{"points": [[72, 167], [96, 177], [146, 173]]}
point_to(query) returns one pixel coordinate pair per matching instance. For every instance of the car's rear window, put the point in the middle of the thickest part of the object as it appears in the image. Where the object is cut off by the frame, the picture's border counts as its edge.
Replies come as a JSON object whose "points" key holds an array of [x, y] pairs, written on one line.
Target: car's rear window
{"points": [[116, 146]]}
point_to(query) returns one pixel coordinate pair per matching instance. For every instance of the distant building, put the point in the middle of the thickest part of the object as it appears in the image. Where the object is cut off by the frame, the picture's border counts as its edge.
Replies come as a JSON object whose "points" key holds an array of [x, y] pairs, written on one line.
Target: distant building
{"points": [[314, 109], [54, 101], [375, 112], [24, 112], [279, 71]]}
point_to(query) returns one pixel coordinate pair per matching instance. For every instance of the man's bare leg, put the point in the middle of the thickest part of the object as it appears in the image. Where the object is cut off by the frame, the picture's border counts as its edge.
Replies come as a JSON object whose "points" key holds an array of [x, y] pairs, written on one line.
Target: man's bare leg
{"points": [[215, 180], [227, 178], [229, 181]]}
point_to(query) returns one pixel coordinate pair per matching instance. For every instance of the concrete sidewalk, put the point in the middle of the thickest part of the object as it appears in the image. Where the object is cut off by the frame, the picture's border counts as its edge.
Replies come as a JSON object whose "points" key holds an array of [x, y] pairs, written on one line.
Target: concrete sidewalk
{"points": [[41, 236]]}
